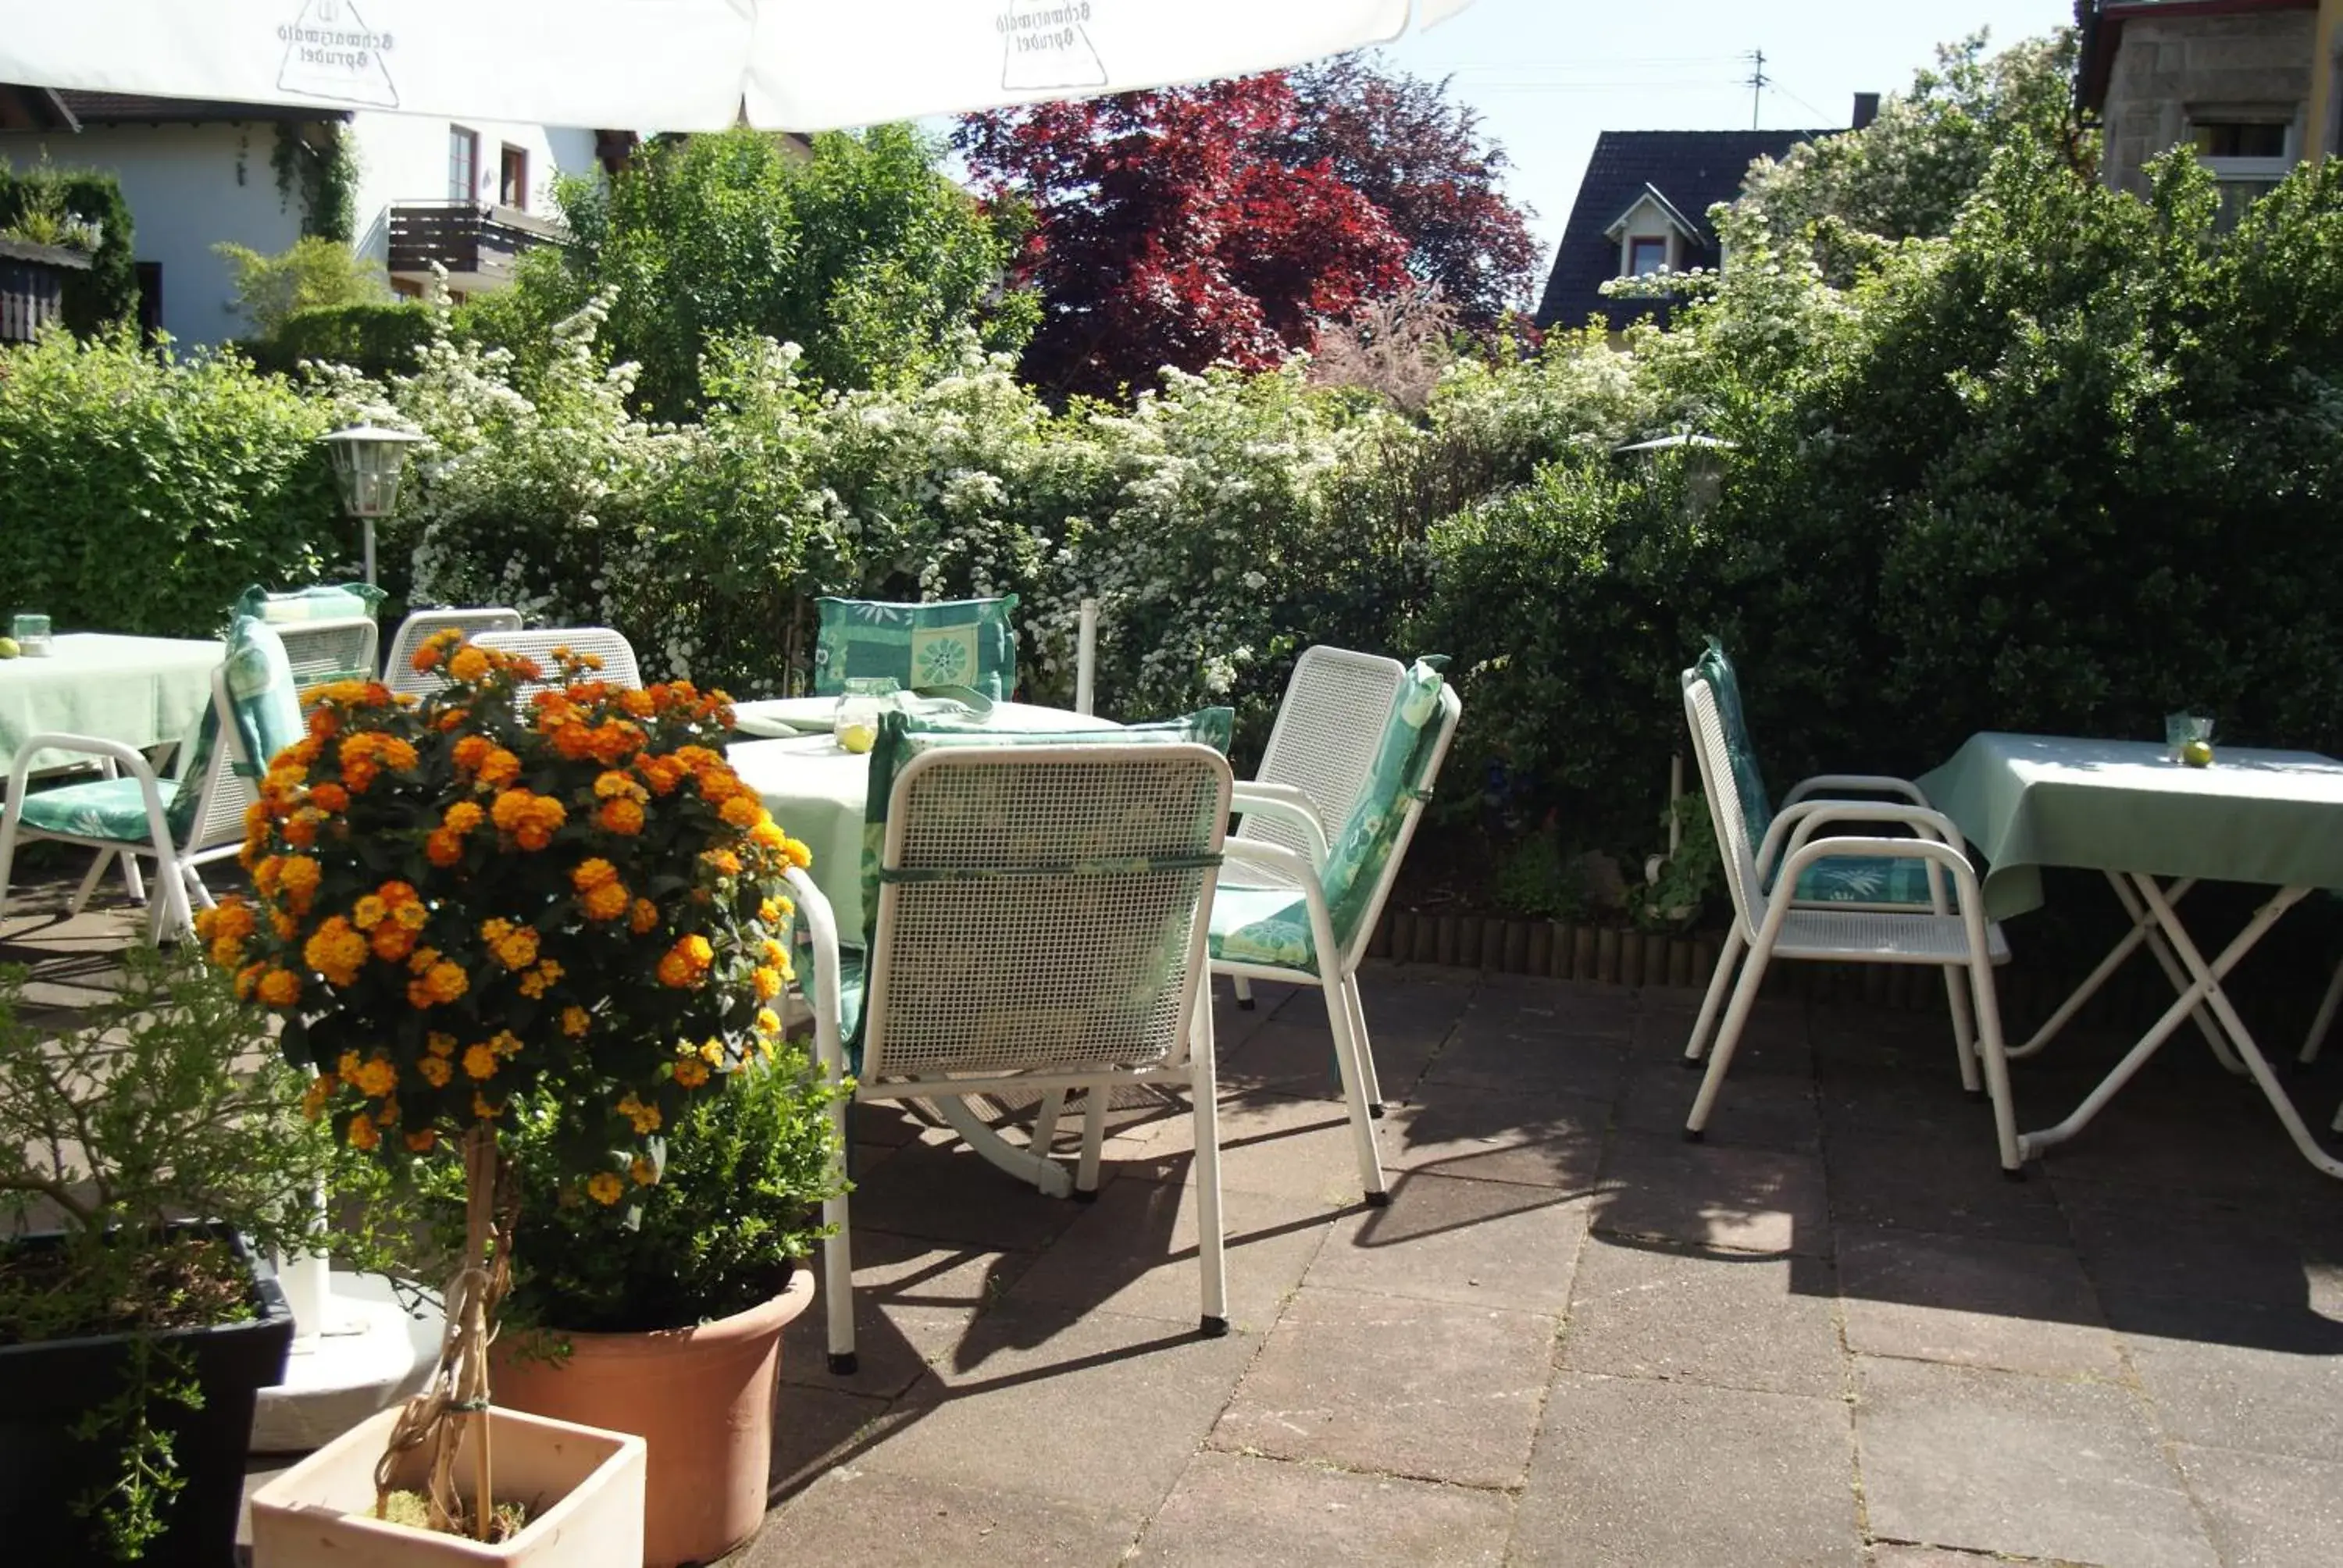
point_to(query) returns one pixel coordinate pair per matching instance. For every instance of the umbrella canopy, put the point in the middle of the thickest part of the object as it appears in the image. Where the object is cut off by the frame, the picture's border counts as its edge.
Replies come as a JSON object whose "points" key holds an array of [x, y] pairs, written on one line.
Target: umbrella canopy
{"points": [[672, 65]]}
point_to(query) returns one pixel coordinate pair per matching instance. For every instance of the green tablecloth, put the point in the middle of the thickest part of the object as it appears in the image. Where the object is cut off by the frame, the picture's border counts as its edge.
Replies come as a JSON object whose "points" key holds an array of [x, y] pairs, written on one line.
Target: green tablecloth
{"points": [[816, 792], [2026, 801], [138, 691]]}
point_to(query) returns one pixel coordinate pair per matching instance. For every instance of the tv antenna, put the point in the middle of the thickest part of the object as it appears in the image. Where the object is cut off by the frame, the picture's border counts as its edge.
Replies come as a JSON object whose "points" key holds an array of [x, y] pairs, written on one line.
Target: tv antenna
{"points": [[1757, 82]]}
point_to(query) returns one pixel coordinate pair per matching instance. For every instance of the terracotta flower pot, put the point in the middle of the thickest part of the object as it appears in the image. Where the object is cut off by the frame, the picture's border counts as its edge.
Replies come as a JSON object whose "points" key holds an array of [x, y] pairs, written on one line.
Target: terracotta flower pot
{"points": [[584, 1490], [702, 1398]]}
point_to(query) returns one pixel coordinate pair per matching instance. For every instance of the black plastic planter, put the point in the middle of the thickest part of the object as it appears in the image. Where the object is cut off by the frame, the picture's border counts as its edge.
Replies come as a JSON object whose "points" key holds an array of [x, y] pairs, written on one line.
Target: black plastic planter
{"points": [[45, 1387]]}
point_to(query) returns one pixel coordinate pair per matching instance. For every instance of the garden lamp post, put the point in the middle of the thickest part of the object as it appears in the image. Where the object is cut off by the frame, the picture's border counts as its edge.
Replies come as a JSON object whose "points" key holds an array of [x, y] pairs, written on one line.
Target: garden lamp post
{"points": [[367, 462]]}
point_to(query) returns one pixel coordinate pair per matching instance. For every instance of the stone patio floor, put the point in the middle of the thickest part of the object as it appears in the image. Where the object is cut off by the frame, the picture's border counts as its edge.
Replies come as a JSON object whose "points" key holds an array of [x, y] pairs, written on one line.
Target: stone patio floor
{"points": [[1833, 1333]]}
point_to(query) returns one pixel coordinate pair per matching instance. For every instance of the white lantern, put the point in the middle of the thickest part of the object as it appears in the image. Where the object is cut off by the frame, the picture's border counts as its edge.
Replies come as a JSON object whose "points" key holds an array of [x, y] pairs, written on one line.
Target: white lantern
{"points": [[367, 462]]}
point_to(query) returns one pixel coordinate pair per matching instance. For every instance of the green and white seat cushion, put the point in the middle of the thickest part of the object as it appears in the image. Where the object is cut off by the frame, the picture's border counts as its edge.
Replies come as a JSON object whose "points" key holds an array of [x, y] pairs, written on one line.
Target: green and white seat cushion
{"points": [[112, 809], [918, 646], [323, 601], [1840, 880], [1270, 926]]}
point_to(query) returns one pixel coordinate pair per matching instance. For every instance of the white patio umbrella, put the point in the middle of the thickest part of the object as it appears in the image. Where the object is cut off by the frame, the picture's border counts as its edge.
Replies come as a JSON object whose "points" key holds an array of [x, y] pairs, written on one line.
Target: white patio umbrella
{"points": [[672, 65]]}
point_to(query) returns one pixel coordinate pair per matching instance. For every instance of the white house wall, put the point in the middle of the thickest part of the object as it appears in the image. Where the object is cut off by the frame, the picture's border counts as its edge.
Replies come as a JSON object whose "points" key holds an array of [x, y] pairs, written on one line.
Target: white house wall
{"points": [[403, 158], [189, 187]]}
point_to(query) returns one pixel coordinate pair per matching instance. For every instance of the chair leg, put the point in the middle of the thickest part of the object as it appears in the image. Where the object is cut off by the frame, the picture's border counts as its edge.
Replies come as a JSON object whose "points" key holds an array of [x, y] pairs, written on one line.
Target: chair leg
{"points": [[1086, 1172], [1997, 1067], [98, 865], [1965, 1046], [1045, 1121], [1728, 1038], [1243, 987], [2326, 1018], [838, 1263], [1357, 1005], [1203, 1088], [133, 879], [1346, 1062], [1719, 983]]}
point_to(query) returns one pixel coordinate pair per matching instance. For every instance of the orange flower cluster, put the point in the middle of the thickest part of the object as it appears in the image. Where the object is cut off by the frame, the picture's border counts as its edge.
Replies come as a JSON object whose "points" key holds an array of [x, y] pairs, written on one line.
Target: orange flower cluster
{"points": [[524, 885]]}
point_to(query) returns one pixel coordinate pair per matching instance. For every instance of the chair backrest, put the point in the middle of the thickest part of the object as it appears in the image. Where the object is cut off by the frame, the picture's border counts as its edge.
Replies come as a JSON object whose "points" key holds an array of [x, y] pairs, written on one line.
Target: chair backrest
{"points": [[1369, 846], [253, 714], [321, 601], [1043, 907], [398, 671], [318, 651], [1715, 667], [618, 655], [969, 642], [1728, 810], [1323, 742]]}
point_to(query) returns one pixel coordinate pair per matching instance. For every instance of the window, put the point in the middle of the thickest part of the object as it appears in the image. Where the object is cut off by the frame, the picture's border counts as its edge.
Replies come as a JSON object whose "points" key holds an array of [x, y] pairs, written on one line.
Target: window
{"points": [[463, 164], [1646, 253], [2248, 151], [512, 178], [150, 300]]}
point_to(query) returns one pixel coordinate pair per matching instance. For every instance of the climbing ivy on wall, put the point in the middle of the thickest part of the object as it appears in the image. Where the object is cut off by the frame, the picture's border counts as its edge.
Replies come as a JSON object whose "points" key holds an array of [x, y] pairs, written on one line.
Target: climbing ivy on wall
{"points": [[316, 161]]}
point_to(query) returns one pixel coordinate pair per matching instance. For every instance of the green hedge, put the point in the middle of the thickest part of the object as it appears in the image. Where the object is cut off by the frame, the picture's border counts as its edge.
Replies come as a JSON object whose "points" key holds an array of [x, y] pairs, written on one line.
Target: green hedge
{"points": [[144, 493], [378, 340]]}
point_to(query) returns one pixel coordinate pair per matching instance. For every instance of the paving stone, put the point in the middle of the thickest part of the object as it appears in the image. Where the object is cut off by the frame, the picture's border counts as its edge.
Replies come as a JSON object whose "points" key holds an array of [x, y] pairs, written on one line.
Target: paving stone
{"points": [[1999, 1462], [1542, 1141], [2144, 1242], [913, 1301], [1404, 1387], [1233, 1508], [1635, 1474], [1294, 1054], [1774, 1110], [1134, 1253], [2267, 1511], [815, 1428], [1528, 1005], [1971, 1301], [1749, 1322], [945, 1192], [1273, 1144], [1099, 1407], [1917, 1183], [859, 1517], [1487, 1056], [1746, 1200], [1475, 1243], [2237, 1395]]}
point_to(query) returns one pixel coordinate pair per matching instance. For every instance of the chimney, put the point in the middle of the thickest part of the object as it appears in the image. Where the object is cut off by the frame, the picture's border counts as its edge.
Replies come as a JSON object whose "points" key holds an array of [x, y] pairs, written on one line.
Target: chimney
{"points": [[1866, 109]]}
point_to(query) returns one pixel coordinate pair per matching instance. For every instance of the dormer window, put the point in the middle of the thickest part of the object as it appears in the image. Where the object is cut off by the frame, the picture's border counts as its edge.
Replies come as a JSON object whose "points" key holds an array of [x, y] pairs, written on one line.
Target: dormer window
{"points": [[2248, 148], [1646, 253]]}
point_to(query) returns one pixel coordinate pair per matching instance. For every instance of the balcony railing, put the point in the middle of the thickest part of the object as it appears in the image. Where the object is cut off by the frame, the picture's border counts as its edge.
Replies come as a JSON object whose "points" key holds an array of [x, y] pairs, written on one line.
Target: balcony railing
{"points": [[477, 242]]}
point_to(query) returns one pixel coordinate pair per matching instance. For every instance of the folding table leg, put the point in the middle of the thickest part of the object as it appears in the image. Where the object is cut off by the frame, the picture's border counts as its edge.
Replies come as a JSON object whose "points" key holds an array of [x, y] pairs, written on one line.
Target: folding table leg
{"points": [[2324, 1022], [2173, 973], [2143, 929]]}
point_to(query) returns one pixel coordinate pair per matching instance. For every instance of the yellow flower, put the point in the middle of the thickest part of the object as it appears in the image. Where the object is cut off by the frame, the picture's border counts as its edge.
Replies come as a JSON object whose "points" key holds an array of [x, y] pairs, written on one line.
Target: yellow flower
{"points": [[518, 951], [435, 1071], [313, 1098], [641, 916], [711, 1051], [768, 1021], [364, 1134], [622, 816], [604, 1188], [691, 1073], [768, 981], [481, 1061], [439, 1043], [421, 1141], [462, 817], [469, 665], [607, 903], [576, 1021], [369, 912], [646, 1117], [645, 1173], [742, 811], [376, 1077], [483, 1109], [592, 874], [686, 962], [505, 1042], [280, 987]]}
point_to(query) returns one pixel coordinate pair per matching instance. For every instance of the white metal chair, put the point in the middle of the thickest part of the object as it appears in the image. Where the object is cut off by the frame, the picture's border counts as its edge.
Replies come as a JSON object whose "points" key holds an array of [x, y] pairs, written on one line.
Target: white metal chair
{"points": [[342, 648], [185, 822], [618, 655], [1042, 926], [398, 671], [1304, 913], [1770, 926], [1322, 745]]}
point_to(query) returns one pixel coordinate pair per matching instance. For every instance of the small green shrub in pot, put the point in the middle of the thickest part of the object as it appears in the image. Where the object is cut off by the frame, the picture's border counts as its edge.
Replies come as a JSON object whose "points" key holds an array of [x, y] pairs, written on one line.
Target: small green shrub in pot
{"points": [[148, 1154]]}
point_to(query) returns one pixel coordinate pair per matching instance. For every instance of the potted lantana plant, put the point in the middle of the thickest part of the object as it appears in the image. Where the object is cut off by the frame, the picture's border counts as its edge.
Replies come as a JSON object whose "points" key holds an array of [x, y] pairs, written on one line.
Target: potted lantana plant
{"points": [[523, 894], [663, 1315], [149, 1152]]}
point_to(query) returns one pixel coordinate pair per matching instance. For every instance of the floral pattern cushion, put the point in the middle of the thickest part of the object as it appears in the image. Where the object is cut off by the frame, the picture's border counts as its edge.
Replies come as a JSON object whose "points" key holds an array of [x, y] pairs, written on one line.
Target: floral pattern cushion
{"points": [[325, 602], [110, 809], [959, 642], [1870, 879], [262, 695], [1715, 667], [1271, 927]]}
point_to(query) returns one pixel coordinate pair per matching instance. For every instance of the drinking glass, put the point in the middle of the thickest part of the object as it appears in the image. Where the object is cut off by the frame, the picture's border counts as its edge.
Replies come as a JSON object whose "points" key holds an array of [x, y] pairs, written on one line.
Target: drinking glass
{"points": [[32, 634], [2180, 729], [856, 727]]}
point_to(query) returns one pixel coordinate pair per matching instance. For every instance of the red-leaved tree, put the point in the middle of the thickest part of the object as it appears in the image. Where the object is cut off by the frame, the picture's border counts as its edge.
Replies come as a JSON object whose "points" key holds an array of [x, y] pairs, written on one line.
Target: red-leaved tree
{"points": [[1168, 230]]}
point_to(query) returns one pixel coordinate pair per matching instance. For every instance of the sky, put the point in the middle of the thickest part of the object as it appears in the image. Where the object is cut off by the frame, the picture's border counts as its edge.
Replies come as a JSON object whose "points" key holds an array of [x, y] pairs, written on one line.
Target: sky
{"points": [[1548, 75]]}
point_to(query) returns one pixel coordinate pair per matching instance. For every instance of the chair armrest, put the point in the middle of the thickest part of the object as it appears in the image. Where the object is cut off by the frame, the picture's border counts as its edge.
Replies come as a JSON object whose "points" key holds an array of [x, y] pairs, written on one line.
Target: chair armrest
{"points": [[1944, 856], [1285, 801], [111, 753], [821, 928], [1926, 823], [1277, 856], [1868, 783]]}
